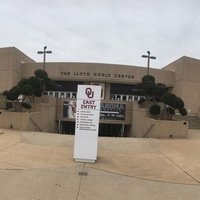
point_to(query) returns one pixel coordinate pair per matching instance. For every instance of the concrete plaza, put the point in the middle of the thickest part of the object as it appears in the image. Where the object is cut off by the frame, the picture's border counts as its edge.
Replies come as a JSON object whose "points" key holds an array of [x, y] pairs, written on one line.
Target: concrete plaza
{"points": [[40, 166]]}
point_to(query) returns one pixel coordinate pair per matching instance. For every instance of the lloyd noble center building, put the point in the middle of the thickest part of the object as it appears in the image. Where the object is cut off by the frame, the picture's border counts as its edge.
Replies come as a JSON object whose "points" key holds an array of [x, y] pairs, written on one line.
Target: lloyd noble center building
{"points": [[120, 114]]}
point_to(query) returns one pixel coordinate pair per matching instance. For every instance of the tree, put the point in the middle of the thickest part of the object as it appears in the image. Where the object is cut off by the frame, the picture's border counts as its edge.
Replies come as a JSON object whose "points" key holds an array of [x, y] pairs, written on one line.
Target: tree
{"points": [[162, 102], [155, 109], [34, 86], [41, 74]]}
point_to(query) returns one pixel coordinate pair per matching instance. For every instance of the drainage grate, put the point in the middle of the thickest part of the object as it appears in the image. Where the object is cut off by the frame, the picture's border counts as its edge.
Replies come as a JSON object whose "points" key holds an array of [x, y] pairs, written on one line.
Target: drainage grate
{"points": [[82, 173]]}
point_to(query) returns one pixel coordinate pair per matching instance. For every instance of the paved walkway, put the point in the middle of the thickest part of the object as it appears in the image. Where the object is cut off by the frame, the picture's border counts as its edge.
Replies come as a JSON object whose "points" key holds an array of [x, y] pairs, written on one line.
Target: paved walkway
{"points": [[39, 166]]}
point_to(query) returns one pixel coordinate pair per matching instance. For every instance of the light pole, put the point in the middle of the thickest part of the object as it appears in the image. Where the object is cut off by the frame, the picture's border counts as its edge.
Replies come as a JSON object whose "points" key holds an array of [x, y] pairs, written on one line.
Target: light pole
{"points": [[44, 57], [148, 60]]}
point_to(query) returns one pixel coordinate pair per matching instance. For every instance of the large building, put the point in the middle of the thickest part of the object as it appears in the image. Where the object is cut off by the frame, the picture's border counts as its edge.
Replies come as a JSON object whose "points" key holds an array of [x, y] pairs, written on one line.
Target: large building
{"points": [[120, 86]]}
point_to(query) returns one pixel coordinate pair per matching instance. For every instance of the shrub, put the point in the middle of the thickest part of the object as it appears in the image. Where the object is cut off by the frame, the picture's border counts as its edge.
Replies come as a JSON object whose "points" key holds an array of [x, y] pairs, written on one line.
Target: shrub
{"points": [[26, 105], [147, 79], [154, 109], [34, 81], [182, 111], [14, 93], [159, 93], [141, 100], [160, 90], [149, 88], [38, 92], [9, 105], [27, 90], [180, 103], [41, 74], [170, 110], [169, 99]]}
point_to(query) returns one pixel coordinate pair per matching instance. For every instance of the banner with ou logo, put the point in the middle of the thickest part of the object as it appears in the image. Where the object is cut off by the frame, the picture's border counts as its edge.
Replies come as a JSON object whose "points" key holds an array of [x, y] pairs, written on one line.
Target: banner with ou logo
{"points": [[87, 123]]}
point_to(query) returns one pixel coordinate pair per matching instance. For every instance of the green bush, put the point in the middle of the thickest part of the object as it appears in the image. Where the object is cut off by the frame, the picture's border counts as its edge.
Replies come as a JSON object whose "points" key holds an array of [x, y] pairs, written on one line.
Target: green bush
{"points": [[26, 105], [50, 84], [38, 92], [27, 90], [182, 111], [147, 79], [14, 93], [9, 105], [22, 82], [34, 81], [180, 103], [154, 109], [160, 90], [170, 110], [159, 93], [149, 88], [169, 99], [41, 74], [141, 100]]}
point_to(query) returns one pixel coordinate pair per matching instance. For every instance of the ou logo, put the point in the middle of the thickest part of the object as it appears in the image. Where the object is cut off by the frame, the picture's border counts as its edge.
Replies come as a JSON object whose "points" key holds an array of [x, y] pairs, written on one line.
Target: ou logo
{"points": [[89, 93]]}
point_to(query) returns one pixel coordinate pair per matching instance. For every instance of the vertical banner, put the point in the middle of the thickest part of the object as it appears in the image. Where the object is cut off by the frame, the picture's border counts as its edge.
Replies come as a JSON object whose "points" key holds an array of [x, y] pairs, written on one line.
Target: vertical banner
{"points": [[87, 123]]}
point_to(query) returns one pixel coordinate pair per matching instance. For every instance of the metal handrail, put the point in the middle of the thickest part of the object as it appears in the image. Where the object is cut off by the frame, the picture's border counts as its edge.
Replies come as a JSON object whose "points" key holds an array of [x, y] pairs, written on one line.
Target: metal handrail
{"points": [[148, 130]]}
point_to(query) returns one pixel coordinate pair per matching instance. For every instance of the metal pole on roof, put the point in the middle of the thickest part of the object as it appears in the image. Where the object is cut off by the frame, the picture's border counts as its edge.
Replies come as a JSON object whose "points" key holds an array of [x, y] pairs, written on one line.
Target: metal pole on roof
{"points": [[148, 60], [44, 57]]}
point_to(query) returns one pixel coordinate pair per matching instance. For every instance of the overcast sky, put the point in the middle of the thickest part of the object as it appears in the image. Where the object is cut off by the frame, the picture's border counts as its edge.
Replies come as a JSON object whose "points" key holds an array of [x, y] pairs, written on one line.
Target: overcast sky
{"points": [[105, 31]]}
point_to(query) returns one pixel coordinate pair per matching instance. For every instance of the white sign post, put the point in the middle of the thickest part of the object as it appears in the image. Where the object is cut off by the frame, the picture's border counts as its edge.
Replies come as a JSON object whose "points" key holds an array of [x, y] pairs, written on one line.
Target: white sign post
{"points": [[87, 123]]}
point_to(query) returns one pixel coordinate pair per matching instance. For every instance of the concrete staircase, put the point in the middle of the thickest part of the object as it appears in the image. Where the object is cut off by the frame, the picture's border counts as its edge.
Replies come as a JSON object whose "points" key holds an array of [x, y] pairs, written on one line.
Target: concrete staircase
{"points": [[194, 121]]}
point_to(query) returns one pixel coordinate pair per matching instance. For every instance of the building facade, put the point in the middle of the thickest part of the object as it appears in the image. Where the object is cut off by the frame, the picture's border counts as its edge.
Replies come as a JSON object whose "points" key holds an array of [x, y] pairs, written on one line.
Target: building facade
{"points": [[120, 86]]}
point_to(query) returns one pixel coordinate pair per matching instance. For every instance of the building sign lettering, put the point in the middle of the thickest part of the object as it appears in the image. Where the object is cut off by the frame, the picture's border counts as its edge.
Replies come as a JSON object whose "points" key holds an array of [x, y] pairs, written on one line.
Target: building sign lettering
{"points": [[112, 111], [100, 75], [88, 104]]}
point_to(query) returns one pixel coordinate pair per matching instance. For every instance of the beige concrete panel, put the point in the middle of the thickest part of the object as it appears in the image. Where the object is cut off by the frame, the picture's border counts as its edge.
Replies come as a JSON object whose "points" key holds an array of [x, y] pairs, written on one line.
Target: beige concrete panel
{"points": [[166, 128], [43, 114], [138, 121], [193, 72], [106, 186], [6, 80], [192, 104], [41, 167], [16, 77], [97, 72], [11, 119], [4, 83], [36, 156], [39, 184], [4, 62], [187, 88], [185, 153], [46, 139], [142, 161], [43, 120]]}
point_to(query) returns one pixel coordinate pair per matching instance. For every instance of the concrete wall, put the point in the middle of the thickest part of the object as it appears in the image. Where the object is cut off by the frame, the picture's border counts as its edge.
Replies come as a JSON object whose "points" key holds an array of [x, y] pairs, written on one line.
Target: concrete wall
{"points": [[42, 117], [98, 72], [187, 82], [11, 60], [138, 121], [17, 121], [45, 113], [142, 126], [166, 129]]}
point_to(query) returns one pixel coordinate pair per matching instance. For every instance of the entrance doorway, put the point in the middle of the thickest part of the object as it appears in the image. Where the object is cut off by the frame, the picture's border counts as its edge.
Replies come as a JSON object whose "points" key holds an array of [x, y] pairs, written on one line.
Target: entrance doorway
{"points": [[105, 130]]}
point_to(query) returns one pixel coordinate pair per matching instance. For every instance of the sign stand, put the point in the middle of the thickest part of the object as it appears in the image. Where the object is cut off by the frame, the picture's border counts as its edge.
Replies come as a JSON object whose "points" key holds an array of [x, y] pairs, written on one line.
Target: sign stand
{"points": [[87, 123]]}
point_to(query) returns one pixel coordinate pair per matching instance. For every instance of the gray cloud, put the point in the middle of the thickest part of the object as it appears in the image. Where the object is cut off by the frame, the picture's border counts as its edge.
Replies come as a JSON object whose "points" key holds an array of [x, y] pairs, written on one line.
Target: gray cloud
{"points": [[114, 31]]}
